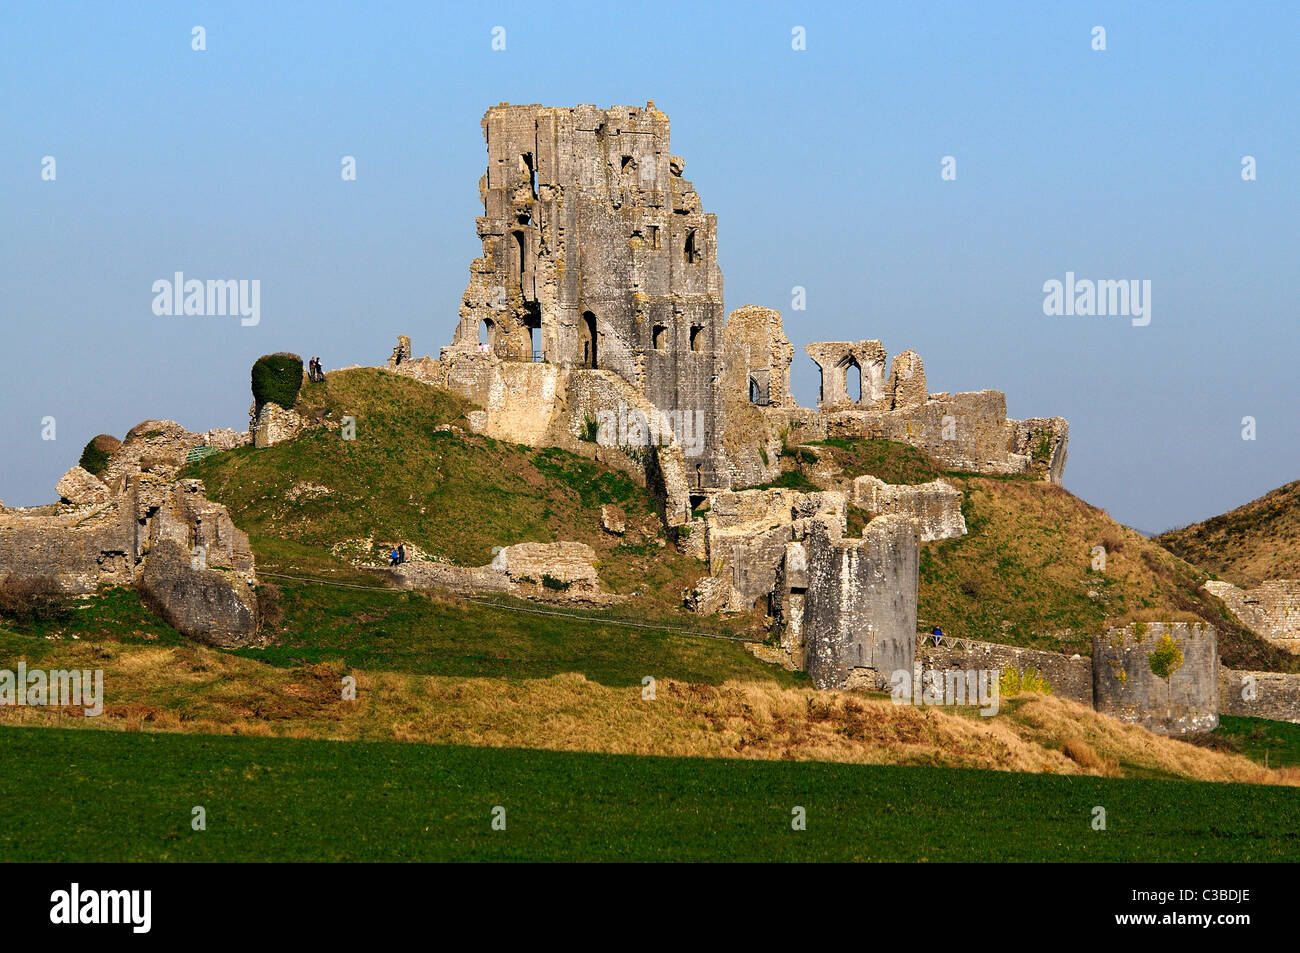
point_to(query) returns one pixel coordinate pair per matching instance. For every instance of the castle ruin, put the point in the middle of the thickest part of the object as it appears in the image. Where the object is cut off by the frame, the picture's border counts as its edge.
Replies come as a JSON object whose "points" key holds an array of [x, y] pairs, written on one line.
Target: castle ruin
{"points": [[595, 316]]}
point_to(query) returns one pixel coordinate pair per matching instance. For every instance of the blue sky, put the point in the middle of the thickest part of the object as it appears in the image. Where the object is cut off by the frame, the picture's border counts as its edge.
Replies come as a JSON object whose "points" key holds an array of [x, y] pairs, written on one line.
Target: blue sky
{"points": [[823, 166]]}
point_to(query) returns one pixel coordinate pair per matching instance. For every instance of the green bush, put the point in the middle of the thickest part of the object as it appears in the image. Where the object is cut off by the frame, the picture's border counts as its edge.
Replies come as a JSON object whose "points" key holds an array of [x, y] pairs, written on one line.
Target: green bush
{"points": [[27, 600], [94, 456], [1167, 658], [1014, 682], [277, 378], [550, 582]]}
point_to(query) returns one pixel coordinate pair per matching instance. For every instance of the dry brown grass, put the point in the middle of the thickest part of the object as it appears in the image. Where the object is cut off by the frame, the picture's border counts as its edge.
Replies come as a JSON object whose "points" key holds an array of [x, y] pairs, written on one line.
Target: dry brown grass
{"points": [[1256, 541], [1081, 753], [192, 689]]}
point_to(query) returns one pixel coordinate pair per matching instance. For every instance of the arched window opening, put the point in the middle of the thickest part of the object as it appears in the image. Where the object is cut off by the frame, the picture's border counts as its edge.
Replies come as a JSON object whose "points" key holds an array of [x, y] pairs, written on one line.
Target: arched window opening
{"points": [[697, 338], [522, 247], [533, 322], [660, 337], [526, 160], [486, 334], [854, 381], [692, 253], [587, 336]]}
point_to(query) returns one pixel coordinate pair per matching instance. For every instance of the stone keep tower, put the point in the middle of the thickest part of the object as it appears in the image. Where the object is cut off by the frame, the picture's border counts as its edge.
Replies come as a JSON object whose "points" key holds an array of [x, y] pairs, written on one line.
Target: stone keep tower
{"points": [[597, 254]]}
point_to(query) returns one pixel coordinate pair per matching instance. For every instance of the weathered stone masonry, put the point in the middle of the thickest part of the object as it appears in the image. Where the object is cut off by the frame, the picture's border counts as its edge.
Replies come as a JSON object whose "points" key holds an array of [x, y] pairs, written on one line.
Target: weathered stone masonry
{"points": [[1124, 678], [1271, 610], [141, 527], [597, 254]]}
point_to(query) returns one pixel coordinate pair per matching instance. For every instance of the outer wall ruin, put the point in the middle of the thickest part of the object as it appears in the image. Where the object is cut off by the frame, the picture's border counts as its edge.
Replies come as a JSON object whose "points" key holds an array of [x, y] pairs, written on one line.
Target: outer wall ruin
{"points": [[1120, 679], [1271, 610], [138, 525], [1163, 676]]}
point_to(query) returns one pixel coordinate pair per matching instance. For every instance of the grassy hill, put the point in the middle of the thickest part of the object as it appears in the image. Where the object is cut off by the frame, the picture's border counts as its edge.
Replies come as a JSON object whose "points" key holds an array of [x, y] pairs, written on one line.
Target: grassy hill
{"points": [[451, 493], [1023, 573], [1246, 546], [286, 799], [416, 473]]}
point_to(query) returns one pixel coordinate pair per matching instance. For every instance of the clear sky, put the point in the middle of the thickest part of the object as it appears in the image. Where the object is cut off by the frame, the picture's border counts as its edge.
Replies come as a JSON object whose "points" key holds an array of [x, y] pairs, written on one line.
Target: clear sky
{"points": [[822, 164]]}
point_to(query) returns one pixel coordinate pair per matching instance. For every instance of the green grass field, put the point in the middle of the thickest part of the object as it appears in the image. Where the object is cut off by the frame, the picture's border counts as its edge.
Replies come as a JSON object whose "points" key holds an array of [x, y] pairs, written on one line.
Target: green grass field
{"points": [[1276, 743], [110, 796], [401, 631]]}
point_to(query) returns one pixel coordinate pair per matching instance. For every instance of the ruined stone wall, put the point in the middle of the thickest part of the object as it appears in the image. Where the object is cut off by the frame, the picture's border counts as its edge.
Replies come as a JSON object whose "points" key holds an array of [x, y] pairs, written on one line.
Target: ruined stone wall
{"points": [[159, 448], [962, 431], [204, 603], [907, 386], [746, 541], [859, 618], [756, 358], [274, 424], [756, 398], [71, 550], [1272, 695], [935, 506], [1069, 676], [629, 426], [1126, 687], [1271, 610], [164, 537], [866, 359], [596, 252], [1269, 695], [1043, 442]]}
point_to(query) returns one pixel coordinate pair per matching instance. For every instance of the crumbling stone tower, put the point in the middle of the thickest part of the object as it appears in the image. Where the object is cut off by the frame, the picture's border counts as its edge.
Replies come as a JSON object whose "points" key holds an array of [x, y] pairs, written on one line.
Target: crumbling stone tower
{"points": [[597, 254]]}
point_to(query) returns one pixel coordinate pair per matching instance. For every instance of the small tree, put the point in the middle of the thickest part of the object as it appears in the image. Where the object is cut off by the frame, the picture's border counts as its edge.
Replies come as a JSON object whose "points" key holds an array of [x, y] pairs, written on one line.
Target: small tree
{"points": [[277, 378], [1167, 658]]}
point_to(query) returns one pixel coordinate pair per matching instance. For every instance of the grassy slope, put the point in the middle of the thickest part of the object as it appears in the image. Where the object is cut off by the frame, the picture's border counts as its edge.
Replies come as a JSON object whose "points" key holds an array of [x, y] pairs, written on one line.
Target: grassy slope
{"points": [[413, 655], [1023, 573], [889, 460], [124, 796], [453, 495], [482, 676], [408, 632], [1246, 546], [1257, 738]]}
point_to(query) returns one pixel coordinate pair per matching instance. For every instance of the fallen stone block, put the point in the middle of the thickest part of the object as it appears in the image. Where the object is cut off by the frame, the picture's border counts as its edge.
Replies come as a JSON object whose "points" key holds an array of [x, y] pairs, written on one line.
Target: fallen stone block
{"points": [[80, 487], [209, 605], [935, 506], [571, 563], [613, 520]]}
